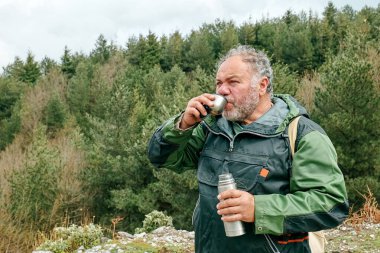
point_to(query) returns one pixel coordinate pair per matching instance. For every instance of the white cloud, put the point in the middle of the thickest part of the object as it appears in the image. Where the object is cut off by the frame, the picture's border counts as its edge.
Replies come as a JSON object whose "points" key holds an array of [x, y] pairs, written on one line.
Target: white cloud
{"points": [[45, 27]]}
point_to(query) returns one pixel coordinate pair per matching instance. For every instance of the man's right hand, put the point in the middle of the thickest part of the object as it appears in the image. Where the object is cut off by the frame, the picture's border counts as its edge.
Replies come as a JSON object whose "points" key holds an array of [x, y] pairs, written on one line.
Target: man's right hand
{"points": [[195, 109]]}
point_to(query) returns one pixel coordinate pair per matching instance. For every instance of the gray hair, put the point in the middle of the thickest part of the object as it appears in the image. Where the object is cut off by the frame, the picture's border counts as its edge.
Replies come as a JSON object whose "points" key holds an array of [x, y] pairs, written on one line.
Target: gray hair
{"points": [[258, 60]]}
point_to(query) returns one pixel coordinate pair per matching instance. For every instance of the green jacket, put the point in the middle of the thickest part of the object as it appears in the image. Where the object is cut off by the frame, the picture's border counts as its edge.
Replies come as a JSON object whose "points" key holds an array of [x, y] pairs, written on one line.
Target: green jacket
{"points": [[306, 193]]}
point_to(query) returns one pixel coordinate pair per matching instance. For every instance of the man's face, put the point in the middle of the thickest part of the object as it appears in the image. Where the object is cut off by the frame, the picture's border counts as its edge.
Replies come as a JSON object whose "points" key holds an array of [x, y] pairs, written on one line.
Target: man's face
{"points": [[234, 81]]}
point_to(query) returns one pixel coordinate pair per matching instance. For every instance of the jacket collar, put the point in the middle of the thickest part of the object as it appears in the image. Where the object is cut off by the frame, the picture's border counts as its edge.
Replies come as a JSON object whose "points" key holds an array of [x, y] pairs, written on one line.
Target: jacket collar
{"points": [[273, 122]]}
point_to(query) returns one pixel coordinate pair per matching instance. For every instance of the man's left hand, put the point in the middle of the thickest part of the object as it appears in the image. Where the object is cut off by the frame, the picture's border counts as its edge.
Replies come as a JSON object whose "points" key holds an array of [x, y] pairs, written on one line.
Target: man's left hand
{"points": [[236, 205]]}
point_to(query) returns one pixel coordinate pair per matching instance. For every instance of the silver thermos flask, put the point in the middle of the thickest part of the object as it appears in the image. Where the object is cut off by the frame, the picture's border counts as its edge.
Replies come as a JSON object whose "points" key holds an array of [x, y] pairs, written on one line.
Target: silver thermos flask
{"points": [[234, 228], [219, 104]]}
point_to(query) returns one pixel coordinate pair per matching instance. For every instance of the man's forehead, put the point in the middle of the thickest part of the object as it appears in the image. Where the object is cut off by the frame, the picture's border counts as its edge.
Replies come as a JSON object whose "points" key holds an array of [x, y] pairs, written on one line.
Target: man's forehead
{"points": [[234, 67], [229, 75]]}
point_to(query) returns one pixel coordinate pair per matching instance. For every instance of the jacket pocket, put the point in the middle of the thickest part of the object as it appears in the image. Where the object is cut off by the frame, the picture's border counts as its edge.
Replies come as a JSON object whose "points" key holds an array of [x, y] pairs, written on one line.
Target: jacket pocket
{"points": [[245, 168]]}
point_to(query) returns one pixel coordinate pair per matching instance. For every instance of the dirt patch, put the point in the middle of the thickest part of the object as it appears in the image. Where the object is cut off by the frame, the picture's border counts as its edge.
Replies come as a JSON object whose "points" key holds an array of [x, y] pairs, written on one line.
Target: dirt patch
{"points": [[364, 238]]}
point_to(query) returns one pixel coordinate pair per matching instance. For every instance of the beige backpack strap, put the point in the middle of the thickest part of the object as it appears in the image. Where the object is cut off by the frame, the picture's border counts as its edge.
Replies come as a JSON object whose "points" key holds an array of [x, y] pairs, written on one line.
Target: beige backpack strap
{"points": [[292, 133], [317, 240]]}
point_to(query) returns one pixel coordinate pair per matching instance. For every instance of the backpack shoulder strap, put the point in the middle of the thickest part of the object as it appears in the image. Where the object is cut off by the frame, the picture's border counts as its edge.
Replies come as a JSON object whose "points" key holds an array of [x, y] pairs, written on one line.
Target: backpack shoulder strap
{"points": [[317, 240], [292, 133]]}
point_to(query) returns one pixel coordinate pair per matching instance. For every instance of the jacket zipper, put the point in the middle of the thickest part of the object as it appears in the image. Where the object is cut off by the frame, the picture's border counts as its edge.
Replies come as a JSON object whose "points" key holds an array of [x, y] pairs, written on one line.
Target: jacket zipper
{"points": [[212, 131]]}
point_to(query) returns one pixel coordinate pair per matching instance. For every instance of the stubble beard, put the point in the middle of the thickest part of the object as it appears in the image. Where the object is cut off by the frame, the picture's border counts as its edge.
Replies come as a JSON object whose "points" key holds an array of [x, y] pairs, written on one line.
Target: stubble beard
{"points": [[243, 109]]}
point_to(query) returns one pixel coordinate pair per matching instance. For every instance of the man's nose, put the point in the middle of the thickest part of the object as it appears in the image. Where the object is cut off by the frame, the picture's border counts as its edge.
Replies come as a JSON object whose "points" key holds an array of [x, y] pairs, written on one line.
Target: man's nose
{"points": [[223, 90]]}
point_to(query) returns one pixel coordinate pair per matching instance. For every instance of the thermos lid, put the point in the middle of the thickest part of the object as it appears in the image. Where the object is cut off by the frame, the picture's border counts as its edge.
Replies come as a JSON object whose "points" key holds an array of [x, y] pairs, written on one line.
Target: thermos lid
{"points": [[226, 178]]}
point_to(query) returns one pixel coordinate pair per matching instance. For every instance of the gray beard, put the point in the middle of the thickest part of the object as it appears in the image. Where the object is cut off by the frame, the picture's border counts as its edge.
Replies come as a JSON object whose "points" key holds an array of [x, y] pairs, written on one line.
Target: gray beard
{"points": [[245, 108]]}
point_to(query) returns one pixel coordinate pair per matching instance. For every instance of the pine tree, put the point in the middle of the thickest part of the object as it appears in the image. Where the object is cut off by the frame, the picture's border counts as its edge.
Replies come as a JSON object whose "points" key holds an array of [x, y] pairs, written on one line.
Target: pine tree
{"points": [[34, 187], [228, 38], [329, 29], [47, 64], [200, 52], [67, 63], [246, 33], [10, 93], [348, 106], [136, 48], [54, 115], [31, 70], [292, 43], [172, 52], [152, 55], [102, 51], [14, 70], [27, 72]]}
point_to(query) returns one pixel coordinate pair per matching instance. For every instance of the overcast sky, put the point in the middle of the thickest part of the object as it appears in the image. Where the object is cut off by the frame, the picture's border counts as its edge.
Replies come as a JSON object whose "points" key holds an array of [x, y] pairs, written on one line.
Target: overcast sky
{"points": [[45, 27]]}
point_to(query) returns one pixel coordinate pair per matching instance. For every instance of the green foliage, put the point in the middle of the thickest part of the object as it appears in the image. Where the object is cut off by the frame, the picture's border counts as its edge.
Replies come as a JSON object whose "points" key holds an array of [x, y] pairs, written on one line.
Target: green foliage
{"points": [[103, 51], [284, 81], [27, 72], [119, 170], [119, 96], [264, 35], [114, 161], [68, 64], [9, 127], [31, 70], [79, 93], [79, 89], [200, 52], [144, 52], [69, 239], [15, 69], [330, 27], [172, 51], [10, 93], [346, 106], [293, 46], [358, 187], [47, 65], [54, 115], [246, 33], [176, 193], [228, 38], [34, 187], [154, 220]]}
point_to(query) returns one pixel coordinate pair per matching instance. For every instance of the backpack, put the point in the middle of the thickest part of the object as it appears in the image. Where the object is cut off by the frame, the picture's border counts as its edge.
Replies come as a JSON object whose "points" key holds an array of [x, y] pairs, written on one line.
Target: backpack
{"points": [[317, 240]]}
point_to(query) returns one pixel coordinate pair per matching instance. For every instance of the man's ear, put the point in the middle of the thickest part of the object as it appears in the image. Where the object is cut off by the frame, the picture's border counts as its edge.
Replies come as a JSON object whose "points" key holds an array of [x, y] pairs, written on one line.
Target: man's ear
{"points": [[263, 85]]}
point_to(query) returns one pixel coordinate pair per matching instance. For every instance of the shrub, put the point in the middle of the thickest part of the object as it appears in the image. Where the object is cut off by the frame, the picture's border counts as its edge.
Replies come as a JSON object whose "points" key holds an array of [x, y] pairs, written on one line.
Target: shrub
{"points": [[34, 187], [369, 212], [69, 239], [357, 187], [154, 220]]}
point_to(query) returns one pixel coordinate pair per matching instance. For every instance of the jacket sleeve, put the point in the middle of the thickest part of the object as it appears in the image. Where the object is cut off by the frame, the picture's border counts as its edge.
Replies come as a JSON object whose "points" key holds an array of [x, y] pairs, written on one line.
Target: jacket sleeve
{"points": [[317, 198], [176, 149]]}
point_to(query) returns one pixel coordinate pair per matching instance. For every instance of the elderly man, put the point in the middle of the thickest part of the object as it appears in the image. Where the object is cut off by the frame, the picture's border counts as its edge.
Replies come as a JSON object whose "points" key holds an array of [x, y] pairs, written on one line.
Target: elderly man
{"points": [[279, 198]]}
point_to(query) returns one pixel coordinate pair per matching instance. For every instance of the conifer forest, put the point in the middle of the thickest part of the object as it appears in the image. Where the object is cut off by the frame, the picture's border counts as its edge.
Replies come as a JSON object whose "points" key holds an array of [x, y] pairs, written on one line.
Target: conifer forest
{"points": [[74, 132]]}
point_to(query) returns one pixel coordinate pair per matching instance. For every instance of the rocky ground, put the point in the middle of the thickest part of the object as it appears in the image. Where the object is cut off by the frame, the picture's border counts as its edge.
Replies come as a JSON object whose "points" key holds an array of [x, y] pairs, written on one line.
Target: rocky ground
{"points": [[344, 239], [363, 238]]}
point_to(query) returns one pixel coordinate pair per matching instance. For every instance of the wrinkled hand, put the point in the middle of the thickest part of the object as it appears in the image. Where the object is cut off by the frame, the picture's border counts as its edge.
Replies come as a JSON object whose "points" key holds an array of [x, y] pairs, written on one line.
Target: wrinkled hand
{"points": [[236, 205], [195, 109]]}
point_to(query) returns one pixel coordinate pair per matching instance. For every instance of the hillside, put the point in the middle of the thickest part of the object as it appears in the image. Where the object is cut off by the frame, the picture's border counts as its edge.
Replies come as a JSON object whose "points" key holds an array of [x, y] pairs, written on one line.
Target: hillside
{"points": [[74, 133], [344, 239]]}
